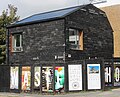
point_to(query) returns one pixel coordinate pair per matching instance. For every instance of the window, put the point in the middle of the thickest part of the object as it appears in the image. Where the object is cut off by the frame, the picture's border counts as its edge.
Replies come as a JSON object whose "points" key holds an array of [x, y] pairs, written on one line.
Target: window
{"points": [[17, 43], [76, 39]]}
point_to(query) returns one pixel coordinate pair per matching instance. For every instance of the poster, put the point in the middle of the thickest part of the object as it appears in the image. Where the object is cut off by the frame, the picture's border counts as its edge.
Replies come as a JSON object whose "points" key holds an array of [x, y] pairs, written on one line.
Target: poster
{"points": [[93, 76], [47, 79], [117, 75], [37, 77], [75, 77], [26, 78], [59, 79], [108, 76], [14, 77]]}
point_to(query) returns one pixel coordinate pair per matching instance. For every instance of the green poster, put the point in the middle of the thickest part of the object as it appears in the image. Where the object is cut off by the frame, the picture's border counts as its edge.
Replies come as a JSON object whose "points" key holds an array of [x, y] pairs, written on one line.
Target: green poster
{"points": [[59, 79]]}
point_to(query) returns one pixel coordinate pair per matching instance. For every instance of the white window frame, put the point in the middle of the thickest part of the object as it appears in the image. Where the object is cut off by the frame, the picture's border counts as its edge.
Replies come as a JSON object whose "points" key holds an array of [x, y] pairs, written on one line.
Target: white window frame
{"points": [[16, 48], [75, 39]]}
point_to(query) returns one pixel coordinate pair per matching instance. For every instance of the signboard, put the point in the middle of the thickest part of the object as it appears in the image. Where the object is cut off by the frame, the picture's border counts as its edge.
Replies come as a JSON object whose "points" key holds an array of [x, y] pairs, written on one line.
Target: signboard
{"points": [[117, 75], [59, 79], [108, 75], [14, 77], [47, 79], [75, 77], [93, 76], [26, 78], [37, 77]]}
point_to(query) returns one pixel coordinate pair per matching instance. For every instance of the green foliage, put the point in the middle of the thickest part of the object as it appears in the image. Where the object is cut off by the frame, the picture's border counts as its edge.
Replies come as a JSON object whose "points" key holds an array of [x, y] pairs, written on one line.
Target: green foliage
{"points": [[2, 53], [7, 17]]}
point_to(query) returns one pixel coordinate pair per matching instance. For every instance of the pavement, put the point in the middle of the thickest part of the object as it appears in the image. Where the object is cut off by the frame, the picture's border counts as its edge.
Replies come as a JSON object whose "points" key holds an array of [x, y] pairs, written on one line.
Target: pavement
{"points": [[109, 93]]}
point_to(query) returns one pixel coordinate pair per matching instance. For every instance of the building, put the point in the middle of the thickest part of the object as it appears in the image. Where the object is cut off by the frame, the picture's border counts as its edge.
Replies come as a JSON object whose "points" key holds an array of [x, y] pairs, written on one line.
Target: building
{"points": [[113, 14], [46, 43]]}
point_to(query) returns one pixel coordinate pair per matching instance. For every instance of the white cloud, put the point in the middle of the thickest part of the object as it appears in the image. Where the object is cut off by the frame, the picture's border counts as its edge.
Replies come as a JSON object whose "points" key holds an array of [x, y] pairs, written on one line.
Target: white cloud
{"points": [[30, 7], [4, 4]]}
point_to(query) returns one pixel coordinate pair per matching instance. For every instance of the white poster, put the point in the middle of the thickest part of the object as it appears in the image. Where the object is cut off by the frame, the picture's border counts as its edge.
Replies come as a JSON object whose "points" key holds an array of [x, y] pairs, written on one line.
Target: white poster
{"points": [[93, 76], [108, 73], [75, 77], [37, 77], [14, 78]]}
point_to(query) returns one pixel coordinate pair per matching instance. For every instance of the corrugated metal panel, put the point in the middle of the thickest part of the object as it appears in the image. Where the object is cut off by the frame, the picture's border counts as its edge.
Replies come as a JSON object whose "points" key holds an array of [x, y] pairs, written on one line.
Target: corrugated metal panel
{"points": [[47, 15]]}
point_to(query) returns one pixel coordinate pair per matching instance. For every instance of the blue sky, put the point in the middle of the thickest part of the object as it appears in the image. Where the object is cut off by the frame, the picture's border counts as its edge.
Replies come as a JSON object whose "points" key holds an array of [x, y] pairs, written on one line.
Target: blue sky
{"points": [[95, 67], [30, 7]]}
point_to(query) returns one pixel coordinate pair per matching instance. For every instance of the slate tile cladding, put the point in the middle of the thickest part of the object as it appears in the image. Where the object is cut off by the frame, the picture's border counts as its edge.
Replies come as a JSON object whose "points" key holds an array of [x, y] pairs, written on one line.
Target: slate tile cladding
{"points": [[41, 42], [44, 41], [97, 33]]}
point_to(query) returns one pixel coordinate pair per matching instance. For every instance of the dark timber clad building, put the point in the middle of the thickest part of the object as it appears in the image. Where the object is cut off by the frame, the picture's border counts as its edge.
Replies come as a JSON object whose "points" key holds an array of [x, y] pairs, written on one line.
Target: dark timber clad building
{"points": [[57, 38]]}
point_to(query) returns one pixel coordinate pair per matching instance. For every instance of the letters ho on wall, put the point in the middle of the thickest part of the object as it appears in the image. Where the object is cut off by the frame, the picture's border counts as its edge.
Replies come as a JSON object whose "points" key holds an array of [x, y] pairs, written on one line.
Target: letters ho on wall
{"points": [[117, 75]]}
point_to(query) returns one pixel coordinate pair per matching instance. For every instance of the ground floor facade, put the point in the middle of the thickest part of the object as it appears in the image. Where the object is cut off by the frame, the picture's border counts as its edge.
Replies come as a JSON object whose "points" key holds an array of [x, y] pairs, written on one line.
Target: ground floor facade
{"points": [[84, 75]]}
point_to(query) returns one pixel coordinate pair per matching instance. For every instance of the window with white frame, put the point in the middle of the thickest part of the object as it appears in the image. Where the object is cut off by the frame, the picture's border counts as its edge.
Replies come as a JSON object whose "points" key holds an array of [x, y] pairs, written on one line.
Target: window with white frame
{"points": [[76, 39], [17, 43]]}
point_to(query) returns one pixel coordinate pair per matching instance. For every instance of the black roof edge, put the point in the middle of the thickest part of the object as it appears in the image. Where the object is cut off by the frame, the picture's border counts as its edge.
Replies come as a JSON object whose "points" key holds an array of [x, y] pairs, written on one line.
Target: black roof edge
{"points": [[40, 14], [79, 7], [15, 25], [51, 19], [34, 22]]}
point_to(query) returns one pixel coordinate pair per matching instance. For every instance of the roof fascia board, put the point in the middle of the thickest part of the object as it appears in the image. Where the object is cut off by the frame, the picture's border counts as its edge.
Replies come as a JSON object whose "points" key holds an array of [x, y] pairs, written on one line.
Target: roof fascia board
{"points": [[34, 22]]}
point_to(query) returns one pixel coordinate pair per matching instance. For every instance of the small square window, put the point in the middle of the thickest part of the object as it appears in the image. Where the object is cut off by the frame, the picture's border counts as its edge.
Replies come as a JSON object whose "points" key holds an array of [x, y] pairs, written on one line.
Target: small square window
{"points": [[17, 43], [76, 39]]}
